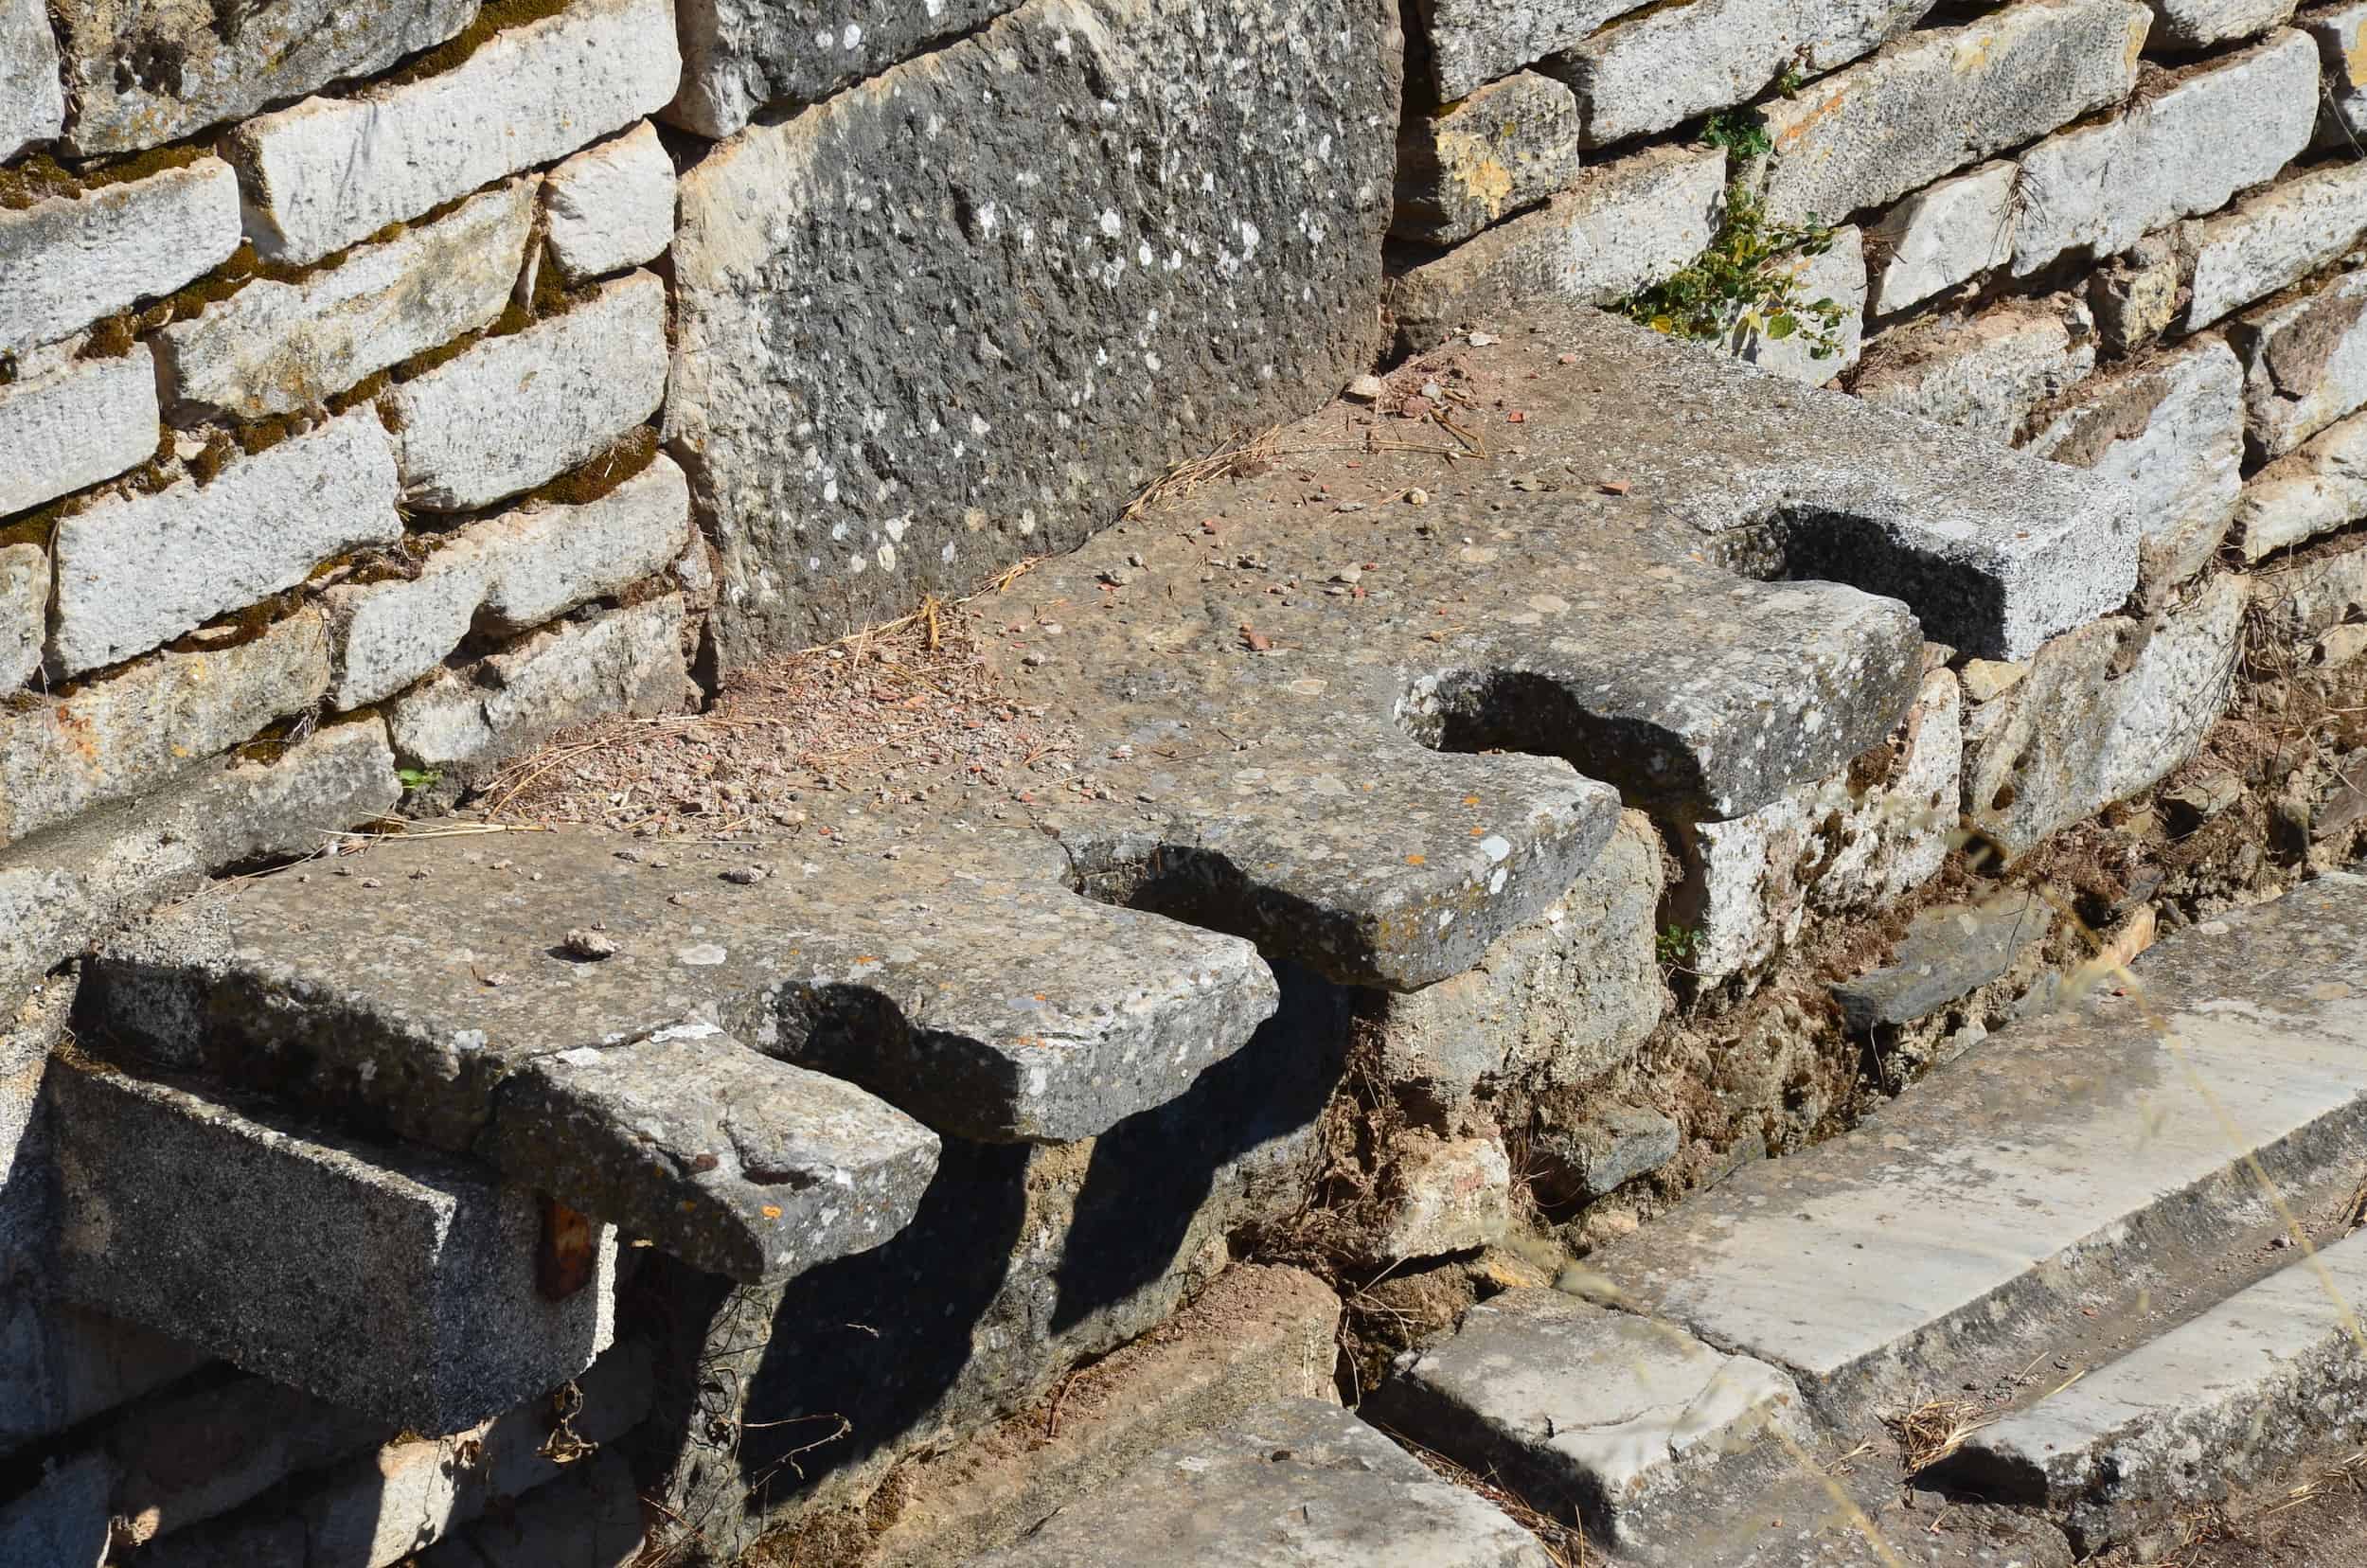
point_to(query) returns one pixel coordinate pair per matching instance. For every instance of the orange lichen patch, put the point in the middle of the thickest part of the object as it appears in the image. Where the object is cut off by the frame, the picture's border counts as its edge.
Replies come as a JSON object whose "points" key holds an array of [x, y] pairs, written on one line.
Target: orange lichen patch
{"points": [[1416, 859], [770, 1211]]}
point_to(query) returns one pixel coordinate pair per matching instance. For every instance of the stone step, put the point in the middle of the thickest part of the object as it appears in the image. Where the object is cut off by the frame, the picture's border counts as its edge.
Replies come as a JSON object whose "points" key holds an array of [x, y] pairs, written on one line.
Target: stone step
{"points": [[2273, 1373], [1295, 1484]]}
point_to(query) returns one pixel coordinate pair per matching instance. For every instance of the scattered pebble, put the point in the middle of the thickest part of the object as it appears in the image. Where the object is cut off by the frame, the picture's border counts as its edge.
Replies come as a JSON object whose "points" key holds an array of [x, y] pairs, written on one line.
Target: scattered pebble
{"points": [[1367, 387], [746, 876], [586, 942]]}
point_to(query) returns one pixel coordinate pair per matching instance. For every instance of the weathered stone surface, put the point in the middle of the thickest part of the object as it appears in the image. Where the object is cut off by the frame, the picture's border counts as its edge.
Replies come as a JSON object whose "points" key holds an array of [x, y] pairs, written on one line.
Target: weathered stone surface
{"points": [[2105, 711], [740, 55], [1601, 1153], [1947, 96], [274, 348], [589, 1518], [2275, 238], [504, 575], [74, 427], [1299, 1482], [764, 1170], [1950, 950], [2136, 295], [2318, 487], [610, 206], [1472, 42], [135, 571], [2184, 149], [181, 1461], [1450, 1196], [115, 737], [1669, 63], [24, 611], [144, 75], [620, 661], [1565, 998], [67, 261], [2054, 1159], [2258, 1379], [2339, 31], [1835, 847], [62, 1517], [1620, 226], [2309, 597], [32, 100], [515, 411], [328, 172], [1836, 275], [2199, 24], [2170, 432], [1943, 234], [1596, 1410], [2305, 363], [1986, 374], [61, 1365], [397, 1284], [854, 427], [1462, 167]]}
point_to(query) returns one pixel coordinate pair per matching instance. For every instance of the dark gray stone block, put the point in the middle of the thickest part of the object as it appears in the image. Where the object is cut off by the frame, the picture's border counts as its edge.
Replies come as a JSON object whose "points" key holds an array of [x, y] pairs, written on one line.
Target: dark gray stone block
{"points": [[1948, 952]]}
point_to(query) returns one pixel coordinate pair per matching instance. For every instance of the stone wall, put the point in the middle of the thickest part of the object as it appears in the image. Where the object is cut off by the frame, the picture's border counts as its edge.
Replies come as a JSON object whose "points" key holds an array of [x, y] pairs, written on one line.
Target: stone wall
{"points": [[387, 389]]}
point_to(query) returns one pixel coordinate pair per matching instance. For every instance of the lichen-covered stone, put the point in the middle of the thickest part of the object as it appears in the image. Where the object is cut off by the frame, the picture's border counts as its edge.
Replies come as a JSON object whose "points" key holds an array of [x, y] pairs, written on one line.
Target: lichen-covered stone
{"points": [[2186, 148], [2340, 34], [1620, 226], [515, 411], [2136, 295], [740, 55], [1834, 276], [1464, 166], [32, 100], [114, 737], [1986, 374], [504, 575], [854, 427], [2273, 239], [134, 571], [144, 75], [326, 173], [1943, 234], [2170, 432], [274, 348], [2199, 24], [24, 611], [1669, 64], [73, 427], [2305, 363], [1475, 41], [610, 206], [1947, 96], [66, 261], [2318, 487]]}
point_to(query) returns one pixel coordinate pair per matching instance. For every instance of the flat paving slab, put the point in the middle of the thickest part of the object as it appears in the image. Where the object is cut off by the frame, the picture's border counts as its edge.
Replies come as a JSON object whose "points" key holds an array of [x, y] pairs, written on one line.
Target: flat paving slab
{"points": [[1295, 1484]]}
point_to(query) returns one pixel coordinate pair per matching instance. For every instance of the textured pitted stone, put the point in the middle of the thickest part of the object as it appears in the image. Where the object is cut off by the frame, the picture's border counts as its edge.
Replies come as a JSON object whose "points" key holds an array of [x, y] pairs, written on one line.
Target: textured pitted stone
{"points": [[2136, 295], [624, 661], [32, 100], [1473, 42], [1603, 1150], [115, 737], [144, 75], [24, 612], [2310, 597], [1620, 226], [1450, 1196], [740, 55], [2319, 486], [1835, 274], [1580, 1407], [2048, 1162], [1941, 235], [1836, 848], [73, 427], [1986, 374], [973, 989], [853, 425], [763, 1169], [328, 172], [2305, 363], [610, 206], [63, 891], [589, 1518], [1947, 96], [400, 1285], [2340, 34], [2171, 433], [504, 575], [515, 411], [2186, 148], [1461, 168], [1661, 67], [1295, 1484], [2106, 710], [134, 571], [274, 348], [1948, 952], [66, 261], [2199, 24], [2275, 238]]}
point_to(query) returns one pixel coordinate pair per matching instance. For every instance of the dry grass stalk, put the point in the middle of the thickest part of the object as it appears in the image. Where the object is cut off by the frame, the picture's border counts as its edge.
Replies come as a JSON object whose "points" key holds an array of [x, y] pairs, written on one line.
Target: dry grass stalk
{"points": [[1934, 1429], [1565, 1544]]}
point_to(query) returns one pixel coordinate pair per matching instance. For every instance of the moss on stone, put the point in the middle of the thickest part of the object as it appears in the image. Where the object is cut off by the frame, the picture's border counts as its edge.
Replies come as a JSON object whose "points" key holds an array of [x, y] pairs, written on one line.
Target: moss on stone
{"points": [[41, 177], [494, 19], [633, 452]]}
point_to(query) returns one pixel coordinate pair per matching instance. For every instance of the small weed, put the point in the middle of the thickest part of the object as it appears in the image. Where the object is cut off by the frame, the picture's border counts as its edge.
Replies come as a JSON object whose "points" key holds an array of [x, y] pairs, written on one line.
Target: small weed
{"points": [[1741, 132], [1790, 83], [1747, 281], [1675, 944]]}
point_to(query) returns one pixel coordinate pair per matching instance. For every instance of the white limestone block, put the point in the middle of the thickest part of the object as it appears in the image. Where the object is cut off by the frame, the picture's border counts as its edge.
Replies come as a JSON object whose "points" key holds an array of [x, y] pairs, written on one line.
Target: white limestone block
{"points": [[1940, 236], [76, 426], [32, 97], [515, 411], [1475, 41], [610, 206], [1987, 374], [2274, 240], [2318, 487], [24, 612], [2186, 149], [68, 261], [2199, 24], [328, 172], [1837, 274], [2305, 363], [274, 348], [134, 571], [2340, 34]]}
